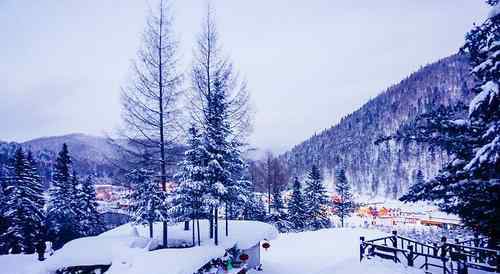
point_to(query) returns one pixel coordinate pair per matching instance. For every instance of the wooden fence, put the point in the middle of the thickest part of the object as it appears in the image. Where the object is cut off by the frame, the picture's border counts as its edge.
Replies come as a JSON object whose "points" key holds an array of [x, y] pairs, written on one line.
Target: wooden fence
{"points": [[451, 258]]}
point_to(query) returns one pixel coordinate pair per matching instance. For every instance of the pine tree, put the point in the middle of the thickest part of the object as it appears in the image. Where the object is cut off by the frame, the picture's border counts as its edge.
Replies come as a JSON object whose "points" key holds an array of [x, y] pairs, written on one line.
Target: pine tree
{"points": [[188, 199], [239, 188], [62, 220], [37, 186], [4, 247], [344, 206], [297, 207], [148, 203], [317, 203], [90, 223], [218, 175], [419, 178], [279, 217], [24, 207], [255, 209], [220, 110], [468, 185]]}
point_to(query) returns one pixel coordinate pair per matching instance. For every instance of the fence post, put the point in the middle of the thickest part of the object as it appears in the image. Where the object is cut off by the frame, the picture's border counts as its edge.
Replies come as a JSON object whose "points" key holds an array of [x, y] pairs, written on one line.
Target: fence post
{"points": [[461, 267], [361, 247], [457, 248], [443, 246], [443, 253], [410, 256], [498, 261], [476, 239], [395, 239]]}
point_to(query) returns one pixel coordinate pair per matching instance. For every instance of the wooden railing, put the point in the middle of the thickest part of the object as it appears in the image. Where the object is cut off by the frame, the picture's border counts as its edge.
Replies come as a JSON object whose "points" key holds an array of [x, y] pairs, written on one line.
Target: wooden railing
{"points": [[450, 258]]}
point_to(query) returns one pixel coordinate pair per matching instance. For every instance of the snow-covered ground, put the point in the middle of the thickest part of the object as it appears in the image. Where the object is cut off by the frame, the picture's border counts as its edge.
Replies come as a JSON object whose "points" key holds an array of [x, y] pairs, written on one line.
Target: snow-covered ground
{"points": [[127, 249], [326, 251]]}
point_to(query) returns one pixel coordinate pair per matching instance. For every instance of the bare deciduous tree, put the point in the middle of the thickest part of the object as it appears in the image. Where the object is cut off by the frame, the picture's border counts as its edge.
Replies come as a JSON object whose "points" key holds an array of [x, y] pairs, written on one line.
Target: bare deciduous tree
{"points": [[150, 99], [209, 66]]}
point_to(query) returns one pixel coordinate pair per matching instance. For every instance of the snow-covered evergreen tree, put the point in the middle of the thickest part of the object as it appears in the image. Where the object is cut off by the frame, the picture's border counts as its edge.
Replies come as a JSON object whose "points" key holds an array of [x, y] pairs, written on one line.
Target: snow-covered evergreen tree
{"points": [[278, 216], [39, 199], [188, 201], [469, 185], [221, 113], [148, 203], [90, 223], [4, 248], [482, 170], [62, 215], [317, 202], [297, 207], [240, 188], [419, 178], [24, 207], [255, 209], [344, 206]]}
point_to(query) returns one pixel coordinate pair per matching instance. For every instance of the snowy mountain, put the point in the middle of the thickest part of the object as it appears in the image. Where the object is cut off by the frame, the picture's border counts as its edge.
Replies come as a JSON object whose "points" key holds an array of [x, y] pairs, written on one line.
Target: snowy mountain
{"points": [[83, 147], [90, 154], [387, 169]]}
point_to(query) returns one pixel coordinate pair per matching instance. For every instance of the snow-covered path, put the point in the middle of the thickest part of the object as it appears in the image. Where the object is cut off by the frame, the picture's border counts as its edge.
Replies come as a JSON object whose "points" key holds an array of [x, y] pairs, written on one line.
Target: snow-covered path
{"points": [[328, 251]]}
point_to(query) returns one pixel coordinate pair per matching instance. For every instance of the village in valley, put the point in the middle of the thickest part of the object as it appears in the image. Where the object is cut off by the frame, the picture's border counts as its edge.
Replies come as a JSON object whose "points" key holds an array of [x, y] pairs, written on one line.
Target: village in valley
{"points": [[408, 183]]}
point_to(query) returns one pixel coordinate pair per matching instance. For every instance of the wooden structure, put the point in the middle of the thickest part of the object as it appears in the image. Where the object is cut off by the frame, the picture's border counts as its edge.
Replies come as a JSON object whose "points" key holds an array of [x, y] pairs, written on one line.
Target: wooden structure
{"points": [[84, 269], [451, 258]]}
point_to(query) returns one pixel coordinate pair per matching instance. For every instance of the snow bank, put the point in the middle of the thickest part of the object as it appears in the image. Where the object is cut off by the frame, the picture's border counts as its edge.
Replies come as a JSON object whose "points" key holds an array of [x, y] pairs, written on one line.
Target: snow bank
{"points": [[126, 249], [92, 251], [20, 264], [245, 234], [169, 261]]}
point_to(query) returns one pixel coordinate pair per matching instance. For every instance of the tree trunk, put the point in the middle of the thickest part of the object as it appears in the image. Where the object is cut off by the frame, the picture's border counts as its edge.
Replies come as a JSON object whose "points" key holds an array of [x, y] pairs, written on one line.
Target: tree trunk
{"points": [[151, 230], [269, 197], [161, 113], [227, 209], [211, 223], [193, 233], [216, 232], [198, 230]]}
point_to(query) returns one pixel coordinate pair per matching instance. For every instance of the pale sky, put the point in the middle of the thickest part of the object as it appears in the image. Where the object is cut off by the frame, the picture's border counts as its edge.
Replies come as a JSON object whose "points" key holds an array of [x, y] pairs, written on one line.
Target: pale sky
{"points": [[307, 63]]}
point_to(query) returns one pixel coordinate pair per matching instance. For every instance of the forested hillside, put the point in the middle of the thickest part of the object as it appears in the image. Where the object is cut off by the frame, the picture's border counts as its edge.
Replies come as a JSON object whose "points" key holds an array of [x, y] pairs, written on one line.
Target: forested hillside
{"points": [[91, 155], [387, 169]]}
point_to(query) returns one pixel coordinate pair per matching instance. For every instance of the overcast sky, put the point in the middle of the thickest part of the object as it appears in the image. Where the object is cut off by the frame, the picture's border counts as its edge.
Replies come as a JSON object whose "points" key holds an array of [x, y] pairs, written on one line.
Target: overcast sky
{"points": [[308, 63]]}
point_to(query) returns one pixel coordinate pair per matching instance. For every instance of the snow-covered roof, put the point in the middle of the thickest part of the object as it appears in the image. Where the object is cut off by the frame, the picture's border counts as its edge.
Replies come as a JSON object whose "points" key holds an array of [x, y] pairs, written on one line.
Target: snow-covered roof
{"points": [[444, 217]]}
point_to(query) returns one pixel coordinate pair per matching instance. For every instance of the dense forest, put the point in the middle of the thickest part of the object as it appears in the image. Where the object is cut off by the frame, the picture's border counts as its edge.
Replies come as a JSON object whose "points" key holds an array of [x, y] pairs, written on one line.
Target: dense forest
{"points": [[387, 169]]}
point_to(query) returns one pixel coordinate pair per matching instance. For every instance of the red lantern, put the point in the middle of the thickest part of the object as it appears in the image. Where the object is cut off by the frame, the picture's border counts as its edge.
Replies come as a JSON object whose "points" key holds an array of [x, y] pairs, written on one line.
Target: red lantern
{"points": [[244, 257], [266, 245]]}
